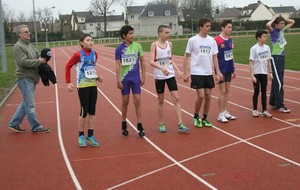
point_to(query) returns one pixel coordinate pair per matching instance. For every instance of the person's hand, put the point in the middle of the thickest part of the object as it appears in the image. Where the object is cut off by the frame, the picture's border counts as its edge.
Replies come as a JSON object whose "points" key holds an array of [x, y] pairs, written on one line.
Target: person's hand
{"points": [[270, 76], [99, 79], [142, 80], [70, 87], [42, 60], [120, 85], [233, 75], [185, 78], [253, 79], [164, 71]]}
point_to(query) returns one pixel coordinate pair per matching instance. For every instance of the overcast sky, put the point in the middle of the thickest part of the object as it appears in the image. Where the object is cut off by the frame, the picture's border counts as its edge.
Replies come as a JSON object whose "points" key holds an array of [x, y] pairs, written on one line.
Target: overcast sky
{"points": [[66, 6]]}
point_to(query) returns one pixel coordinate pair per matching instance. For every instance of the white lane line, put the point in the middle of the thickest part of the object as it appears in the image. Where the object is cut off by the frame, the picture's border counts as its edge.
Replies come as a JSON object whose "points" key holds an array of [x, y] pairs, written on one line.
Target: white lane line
{"points": [[60, 138], [159, 150]]}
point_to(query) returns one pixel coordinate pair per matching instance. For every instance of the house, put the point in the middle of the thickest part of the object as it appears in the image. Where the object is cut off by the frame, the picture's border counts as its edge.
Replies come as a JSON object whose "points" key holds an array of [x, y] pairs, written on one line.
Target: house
{"points": [[228, 14], [65, 25], [95, 25], [296, 14], [154, 15], [78, 20], [285, 11], [133, 14], [256, 11]]}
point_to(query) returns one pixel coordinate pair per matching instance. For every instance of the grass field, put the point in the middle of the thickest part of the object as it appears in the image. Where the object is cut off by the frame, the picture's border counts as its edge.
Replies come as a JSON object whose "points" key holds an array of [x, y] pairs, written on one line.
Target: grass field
{"points": [[241, 54]]}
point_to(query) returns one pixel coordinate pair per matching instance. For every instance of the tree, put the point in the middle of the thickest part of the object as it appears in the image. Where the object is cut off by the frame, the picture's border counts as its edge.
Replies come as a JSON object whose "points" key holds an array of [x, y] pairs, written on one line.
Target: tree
{"points": [[101, 7], [197, 8]]}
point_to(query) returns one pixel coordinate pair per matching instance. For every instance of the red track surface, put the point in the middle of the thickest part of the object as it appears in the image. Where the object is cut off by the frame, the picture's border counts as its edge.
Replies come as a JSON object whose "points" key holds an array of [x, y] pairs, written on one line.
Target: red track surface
{"points": [[249, 153]]}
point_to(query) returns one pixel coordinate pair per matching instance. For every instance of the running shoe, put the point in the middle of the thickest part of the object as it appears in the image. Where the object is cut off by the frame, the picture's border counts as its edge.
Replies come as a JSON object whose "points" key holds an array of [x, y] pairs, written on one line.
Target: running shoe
{"points": [[162, 128], [229, 116], [255, 113], [197, 122], [222, 118], [41, 129], [17, 129], [206, 123], [266, 114], [283, 109], [92, 141], [182, 128], [81, 141]]}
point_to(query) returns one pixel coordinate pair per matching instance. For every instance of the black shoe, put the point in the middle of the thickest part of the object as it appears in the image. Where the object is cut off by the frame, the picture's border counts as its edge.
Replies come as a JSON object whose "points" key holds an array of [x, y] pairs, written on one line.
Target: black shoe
{"points": [[41, 129], [17, 129], [124, 129], [141, 130]]}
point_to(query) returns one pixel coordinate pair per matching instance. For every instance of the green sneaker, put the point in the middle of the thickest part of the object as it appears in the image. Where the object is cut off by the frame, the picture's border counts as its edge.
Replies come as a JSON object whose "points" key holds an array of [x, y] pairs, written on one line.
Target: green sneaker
{"points": [[81, 141], [92, 141], [206, 123], [197, 122], [182, 128], [162, 128]]}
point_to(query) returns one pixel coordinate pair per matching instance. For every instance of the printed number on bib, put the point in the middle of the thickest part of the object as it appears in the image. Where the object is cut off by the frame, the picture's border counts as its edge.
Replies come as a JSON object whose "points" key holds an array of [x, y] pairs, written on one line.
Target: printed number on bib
{"points": [[90, 73], [282, 42], [228, 55], [263, 56], [204, 51], [128, 61], [164, 62]]}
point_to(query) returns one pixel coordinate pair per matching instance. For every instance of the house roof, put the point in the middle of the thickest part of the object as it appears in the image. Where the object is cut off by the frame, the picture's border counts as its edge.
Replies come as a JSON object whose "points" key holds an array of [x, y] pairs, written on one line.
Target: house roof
{"points": [[108, 18], [285, 9], [229, 12], [65, 17], [159, 9], [83, 14], [135, 9]]}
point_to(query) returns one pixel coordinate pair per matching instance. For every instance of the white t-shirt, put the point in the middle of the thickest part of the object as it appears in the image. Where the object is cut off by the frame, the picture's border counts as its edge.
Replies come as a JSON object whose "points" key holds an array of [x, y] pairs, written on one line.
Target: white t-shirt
{"points": [[201, 50], [163, 57], [260, 56]]}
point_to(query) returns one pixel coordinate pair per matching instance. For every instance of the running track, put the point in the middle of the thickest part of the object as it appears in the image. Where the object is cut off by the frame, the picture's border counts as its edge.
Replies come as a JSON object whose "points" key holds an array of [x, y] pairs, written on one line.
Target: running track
{"points": [[248, 153]]}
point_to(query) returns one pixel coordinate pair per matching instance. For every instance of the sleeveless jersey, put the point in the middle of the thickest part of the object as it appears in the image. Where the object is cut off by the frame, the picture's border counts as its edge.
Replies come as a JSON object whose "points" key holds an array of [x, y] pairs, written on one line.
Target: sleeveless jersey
{"points": [[163, 57], [85, 70], [225, 55]]}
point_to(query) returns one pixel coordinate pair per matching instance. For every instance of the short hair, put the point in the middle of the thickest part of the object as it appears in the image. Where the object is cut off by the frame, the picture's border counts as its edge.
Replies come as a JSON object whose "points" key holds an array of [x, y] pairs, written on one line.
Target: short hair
{"points": [[278, 20], [259, 33], [19, 27], [125, 30], [161, 28], [225, 22], [81, 39], [203, 20]]}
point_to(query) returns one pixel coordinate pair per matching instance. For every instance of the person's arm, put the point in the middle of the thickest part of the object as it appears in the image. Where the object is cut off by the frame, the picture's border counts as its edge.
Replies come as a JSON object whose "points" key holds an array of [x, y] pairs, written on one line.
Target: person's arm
{"points": [[269, 24], [251, 63], [143, 68], [270, 74], [73, 60], [185, 64], [152, 60], [219, 75], [290, 22]]}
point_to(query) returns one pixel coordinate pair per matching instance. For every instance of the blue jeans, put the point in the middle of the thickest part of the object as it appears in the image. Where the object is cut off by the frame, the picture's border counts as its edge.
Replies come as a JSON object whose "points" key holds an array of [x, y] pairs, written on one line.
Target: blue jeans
{"points": [[27, 106], [277, 94]]}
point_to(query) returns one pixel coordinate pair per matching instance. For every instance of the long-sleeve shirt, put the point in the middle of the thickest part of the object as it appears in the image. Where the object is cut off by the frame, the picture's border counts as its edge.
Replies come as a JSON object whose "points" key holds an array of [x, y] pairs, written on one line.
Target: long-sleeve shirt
{"points": [[26, 60]]}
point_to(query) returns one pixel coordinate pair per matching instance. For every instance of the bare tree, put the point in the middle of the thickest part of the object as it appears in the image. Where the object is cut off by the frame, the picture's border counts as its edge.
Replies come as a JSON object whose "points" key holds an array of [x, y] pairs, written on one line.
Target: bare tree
{"points": [[21, 17], [102, 8], [126, 4]]}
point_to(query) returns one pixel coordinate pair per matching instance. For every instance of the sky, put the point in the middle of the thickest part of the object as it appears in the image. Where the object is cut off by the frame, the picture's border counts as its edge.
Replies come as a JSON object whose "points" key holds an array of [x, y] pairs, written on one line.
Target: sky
{"points": [[66, 6]]}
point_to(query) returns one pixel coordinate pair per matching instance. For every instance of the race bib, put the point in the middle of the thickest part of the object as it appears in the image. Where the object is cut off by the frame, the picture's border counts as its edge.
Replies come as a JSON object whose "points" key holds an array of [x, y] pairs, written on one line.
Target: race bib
{"points": [[263, 56], [282, 42], [228, 55], [90, 72], [164, 62], [128, 60], [204, 51]]}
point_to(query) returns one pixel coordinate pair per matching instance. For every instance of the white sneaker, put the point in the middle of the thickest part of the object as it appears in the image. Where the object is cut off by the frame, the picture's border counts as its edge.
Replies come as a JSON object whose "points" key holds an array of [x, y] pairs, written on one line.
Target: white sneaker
{"points": [[266, 114], [229, 116], [222, 118], [255, 113]]}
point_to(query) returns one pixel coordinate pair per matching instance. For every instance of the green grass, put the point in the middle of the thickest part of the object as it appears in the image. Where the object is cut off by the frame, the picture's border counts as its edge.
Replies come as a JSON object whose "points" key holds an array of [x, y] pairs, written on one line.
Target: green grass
{"points": [[242, 47]]}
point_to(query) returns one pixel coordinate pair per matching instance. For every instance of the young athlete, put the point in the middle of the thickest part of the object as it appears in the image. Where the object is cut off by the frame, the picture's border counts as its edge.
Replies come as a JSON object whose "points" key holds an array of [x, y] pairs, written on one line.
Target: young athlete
{"points": [[87, 78], [226, 65], [129, 58], [202, 50], [277, 28], [260, 70], [164, 73]]}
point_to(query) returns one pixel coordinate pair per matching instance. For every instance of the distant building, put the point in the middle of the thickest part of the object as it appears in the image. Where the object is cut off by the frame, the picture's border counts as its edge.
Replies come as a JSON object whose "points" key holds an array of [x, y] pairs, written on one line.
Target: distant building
{"points": [[228, 13], [286, 12], [256, 11]]}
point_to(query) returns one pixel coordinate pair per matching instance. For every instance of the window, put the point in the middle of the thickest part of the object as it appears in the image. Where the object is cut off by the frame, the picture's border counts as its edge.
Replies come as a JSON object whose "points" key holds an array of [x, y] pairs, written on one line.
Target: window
{"points": [[82, 19], [132, 16], [91, 33], [167, 12], [150, 13], [91, 24]]}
